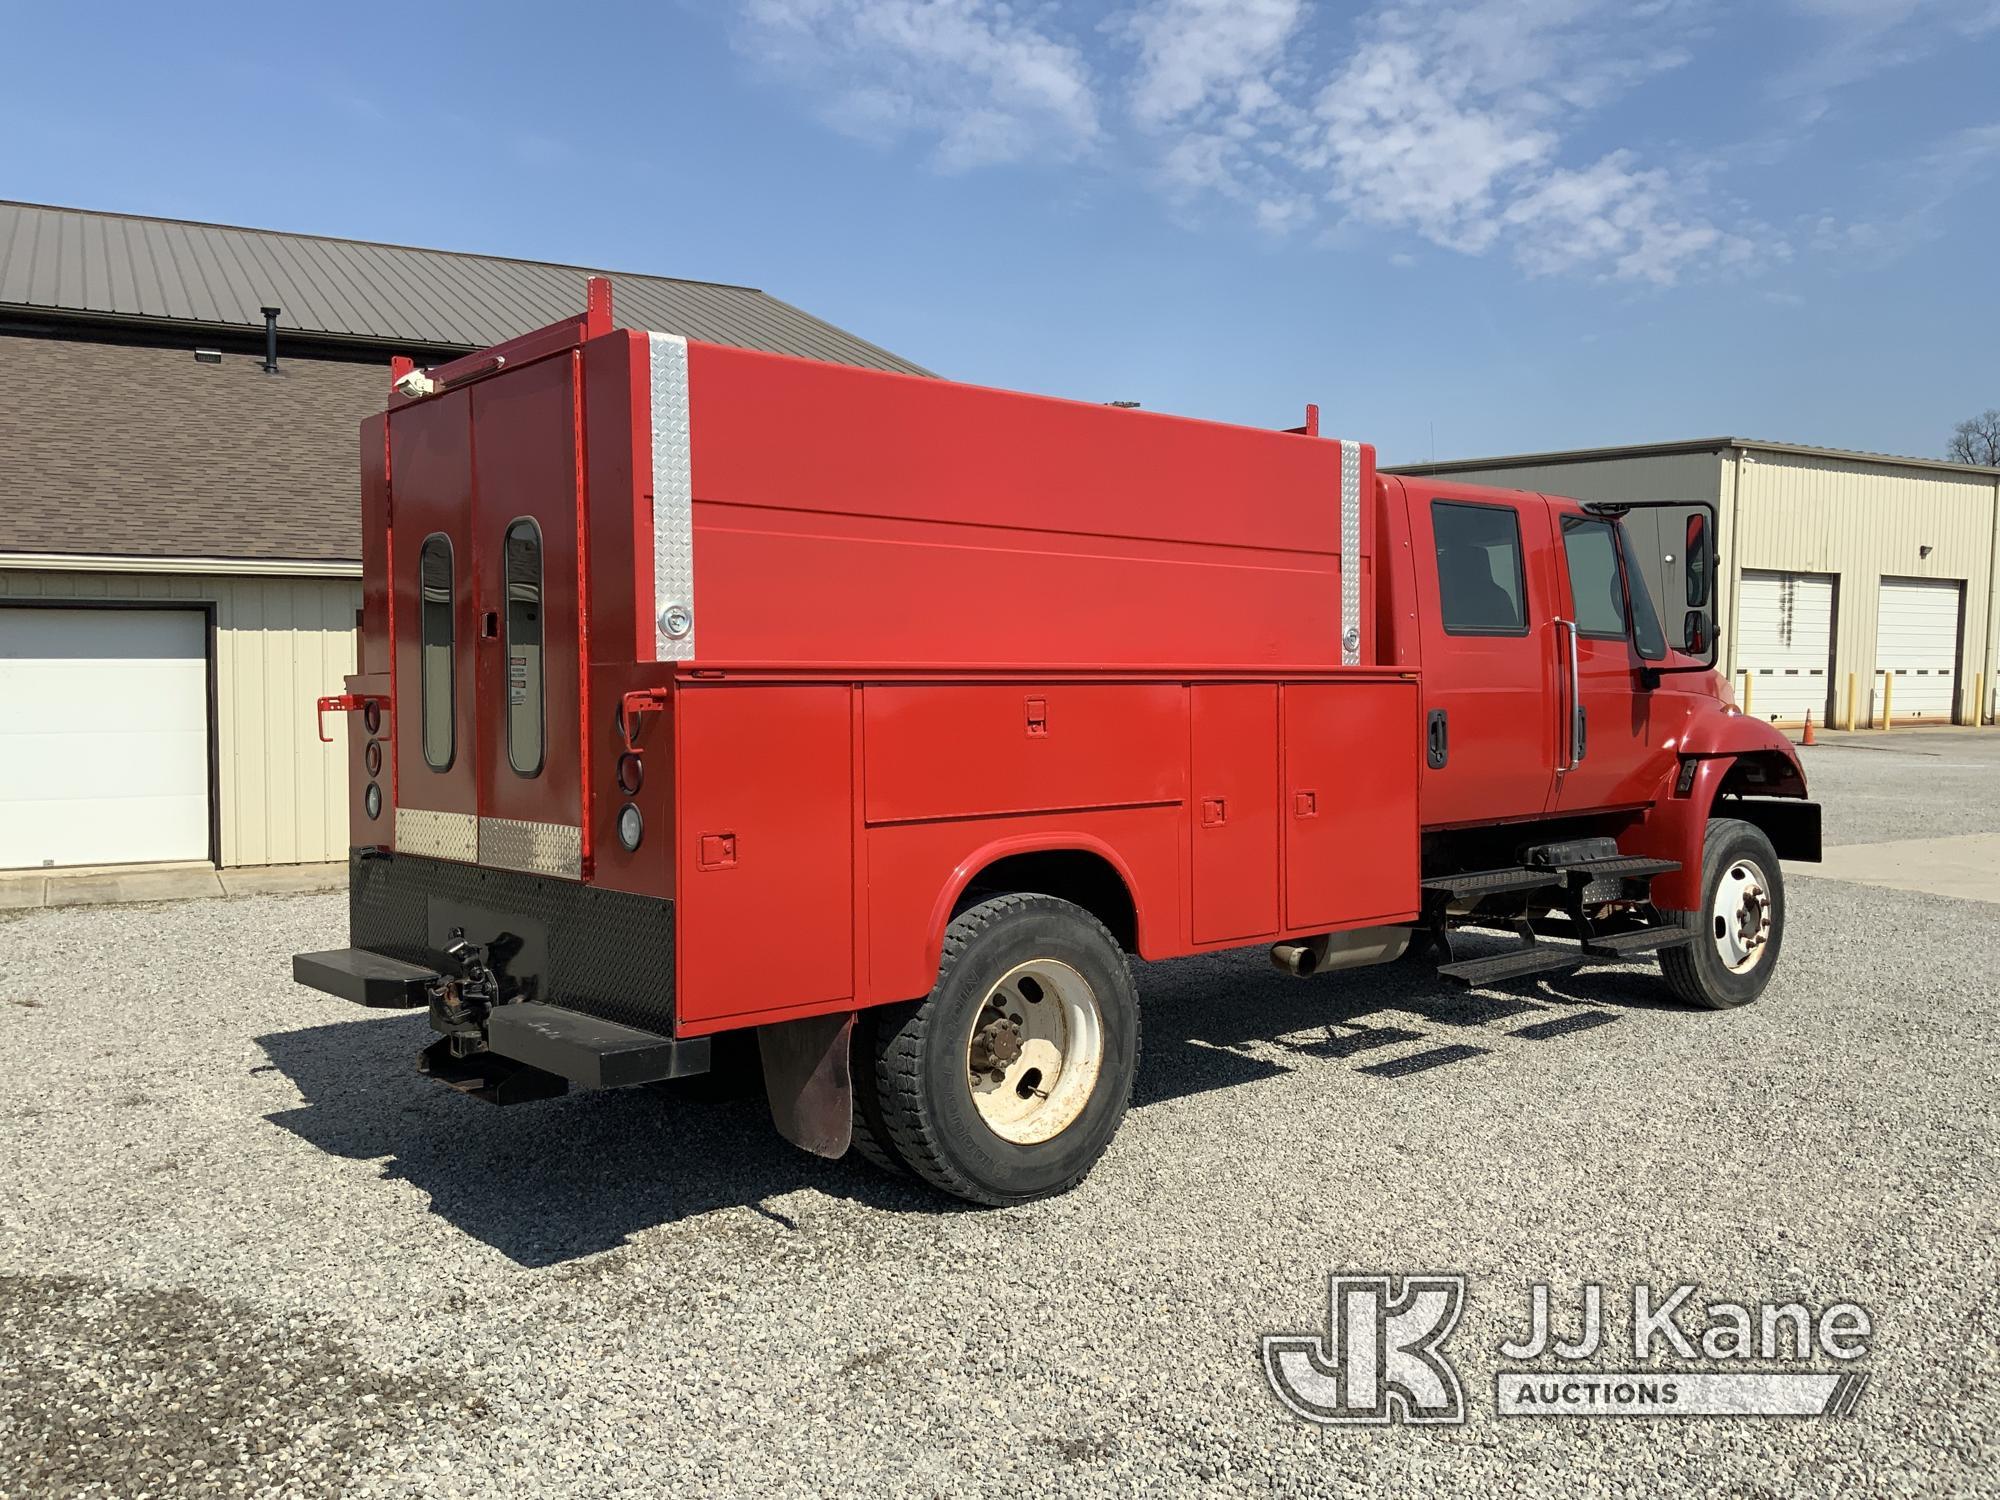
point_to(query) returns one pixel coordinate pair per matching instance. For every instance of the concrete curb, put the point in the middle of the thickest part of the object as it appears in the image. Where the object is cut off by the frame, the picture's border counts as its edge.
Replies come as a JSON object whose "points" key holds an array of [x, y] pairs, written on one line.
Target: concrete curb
{"points": [[113, 887]]}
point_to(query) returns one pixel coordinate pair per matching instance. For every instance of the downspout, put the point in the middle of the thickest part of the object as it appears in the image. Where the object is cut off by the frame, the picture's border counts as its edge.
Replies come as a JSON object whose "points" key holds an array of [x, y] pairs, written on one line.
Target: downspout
{"points": [[270, 338]]}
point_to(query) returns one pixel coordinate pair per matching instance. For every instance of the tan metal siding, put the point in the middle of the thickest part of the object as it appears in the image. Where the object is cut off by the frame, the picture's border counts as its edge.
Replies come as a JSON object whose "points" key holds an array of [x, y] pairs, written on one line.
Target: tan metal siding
{"points": [[280, 643], [1863, 522]]}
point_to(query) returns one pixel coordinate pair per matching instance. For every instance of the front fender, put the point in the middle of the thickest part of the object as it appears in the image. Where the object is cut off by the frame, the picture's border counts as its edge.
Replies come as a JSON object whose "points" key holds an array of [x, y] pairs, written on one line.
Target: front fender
{"points": [[1722, 754]]}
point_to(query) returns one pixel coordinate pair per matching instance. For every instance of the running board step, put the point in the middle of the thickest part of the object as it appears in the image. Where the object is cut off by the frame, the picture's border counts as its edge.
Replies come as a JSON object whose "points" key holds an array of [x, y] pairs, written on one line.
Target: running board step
{"points": [[1622, 867], [1493, 882], [1515, 962], [1640, 940]]}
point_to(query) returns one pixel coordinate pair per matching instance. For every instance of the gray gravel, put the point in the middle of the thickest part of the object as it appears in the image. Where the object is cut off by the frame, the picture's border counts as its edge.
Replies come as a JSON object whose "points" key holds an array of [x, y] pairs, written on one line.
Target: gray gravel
{"points": [[244, 1250]]}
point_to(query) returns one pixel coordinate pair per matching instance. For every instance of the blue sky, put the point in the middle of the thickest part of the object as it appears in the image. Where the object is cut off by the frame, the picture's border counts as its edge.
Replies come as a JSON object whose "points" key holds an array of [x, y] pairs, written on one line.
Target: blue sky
{"points": [[1462, 226]]}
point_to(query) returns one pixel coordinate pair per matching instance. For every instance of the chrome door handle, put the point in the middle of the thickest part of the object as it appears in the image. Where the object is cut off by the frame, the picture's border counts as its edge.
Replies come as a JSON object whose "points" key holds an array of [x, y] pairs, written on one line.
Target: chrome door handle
{"points": [[1571, 749]]}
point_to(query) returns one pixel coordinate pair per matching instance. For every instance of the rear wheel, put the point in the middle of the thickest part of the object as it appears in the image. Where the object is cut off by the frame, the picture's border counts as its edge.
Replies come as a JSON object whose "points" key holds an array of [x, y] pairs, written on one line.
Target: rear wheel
{"points": [[1008, 1080], [871, 1132], [1741, 920]]}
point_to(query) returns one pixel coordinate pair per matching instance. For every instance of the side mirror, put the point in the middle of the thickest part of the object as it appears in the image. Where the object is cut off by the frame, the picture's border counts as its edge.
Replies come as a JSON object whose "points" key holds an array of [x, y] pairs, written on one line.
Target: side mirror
{"points": [[1697, 555], [1694, 633]]}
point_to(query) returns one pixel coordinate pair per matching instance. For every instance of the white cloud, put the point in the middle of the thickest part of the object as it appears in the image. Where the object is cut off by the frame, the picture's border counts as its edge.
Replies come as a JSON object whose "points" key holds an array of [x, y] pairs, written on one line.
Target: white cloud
{"points": [[1460, 122], [1194, 54], [1861, 38], [977, 78]]}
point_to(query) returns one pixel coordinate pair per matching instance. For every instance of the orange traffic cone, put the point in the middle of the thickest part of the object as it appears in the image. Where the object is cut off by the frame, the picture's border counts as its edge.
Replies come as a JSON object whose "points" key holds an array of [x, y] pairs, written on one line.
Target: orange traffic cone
{"points": [[1808, 740]]}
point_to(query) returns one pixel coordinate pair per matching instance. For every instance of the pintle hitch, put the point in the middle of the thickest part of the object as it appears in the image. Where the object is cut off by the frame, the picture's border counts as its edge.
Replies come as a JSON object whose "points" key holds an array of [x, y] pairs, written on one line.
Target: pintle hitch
{"points": [[459, 1057]]}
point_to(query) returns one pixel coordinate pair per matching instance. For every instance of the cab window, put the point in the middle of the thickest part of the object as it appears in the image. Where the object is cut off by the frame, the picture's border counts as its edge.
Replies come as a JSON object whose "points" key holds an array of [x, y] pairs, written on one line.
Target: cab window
{"points": [[1480, 584], [524, 647], [1596, 592], [436, 685]]}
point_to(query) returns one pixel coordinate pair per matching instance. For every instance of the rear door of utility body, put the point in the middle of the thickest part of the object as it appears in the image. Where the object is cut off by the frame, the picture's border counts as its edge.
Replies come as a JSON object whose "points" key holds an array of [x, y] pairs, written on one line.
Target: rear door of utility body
{"points": [[484, 495]]}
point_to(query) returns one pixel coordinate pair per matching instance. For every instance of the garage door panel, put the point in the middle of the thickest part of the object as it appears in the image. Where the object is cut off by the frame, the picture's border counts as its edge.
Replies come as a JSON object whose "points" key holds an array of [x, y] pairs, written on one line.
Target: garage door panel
{"points": [[70, 697], [104, 742], [1785, 642], [1916, 642], [146, 829]]}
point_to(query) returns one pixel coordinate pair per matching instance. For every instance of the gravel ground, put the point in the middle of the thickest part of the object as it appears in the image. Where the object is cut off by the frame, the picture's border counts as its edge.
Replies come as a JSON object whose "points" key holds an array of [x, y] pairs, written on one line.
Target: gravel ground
{"points": [[243, 1249]]}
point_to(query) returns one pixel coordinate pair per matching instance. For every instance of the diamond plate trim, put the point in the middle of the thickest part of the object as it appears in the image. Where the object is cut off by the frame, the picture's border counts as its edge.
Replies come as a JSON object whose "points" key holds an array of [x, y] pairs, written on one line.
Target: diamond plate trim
{"points": [[1350, 553], [438, 835], [673, 495], [531, 848]]}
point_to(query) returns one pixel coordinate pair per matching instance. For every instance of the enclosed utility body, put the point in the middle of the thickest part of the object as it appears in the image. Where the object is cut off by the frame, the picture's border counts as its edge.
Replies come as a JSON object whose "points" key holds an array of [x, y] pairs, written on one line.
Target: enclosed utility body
{"points": [[705, 691]]}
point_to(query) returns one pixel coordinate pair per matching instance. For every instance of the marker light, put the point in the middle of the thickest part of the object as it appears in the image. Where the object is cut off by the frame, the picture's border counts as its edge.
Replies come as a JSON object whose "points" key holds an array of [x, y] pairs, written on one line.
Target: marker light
{"points": [[371, 800], [631, 826]]}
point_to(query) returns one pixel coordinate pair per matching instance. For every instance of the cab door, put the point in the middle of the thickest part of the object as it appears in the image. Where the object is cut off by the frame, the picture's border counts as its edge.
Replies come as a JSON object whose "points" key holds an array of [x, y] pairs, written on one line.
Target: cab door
{"points": [[1609, 760], [529, 649], [1486, 596]]}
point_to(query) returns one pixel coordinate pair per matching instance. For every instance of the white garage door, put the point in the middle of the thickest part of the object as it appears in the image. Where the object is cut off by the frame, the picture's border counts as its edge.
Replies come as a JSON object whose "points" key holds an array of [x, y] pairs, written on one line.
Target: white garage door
{"points": [[1785, 642], [1916, 638], [103, 736]]}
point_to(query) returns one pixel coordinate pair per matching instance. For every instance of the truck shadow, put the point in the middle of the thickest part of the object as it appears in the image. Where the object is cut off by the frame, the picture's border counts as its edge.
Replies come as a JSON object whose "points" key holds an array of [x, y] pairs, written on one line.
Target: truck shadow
{"points": [[555, 1181]]}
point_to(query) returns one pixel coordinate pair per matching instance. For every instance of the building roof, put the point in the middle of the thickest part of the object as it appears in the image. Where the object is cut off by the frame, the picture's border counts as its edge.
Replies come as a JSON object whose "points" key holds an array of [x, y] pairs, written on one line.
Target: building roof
{"points": [[124, 269], [1691, 445]]}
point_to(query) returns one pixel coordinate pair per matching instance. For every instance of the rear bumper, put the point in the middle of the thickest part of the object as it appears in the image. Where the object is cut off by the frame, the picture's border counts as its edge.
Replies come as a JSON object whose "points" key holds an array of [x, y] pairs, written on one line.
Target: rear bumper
{"points": [[602, 953], [582, 980]]}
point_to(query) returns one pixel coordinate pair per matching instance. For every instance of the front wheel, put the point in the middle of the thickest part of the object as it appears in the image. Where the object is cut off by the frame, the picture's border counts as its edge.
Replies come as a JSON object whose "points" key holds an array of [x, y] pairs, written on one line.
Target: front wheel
{"points": [[1008, 1080], [1740, 925]]}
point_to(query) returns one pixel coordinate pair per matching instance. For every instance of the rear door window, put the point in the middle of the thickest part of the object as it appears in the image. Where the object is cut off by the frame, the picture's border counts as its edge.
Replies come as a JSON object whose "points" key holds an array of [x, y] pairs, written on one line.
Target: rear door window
{"points": [[1481, 589], [525, 718], [437, 681]]}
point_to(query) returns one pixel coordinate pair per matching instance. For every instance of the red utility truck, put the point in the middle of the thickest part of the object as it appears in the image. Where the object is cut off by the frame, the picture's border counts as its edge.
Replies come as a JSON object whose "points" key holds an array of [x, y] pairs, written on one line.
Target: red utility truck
{"points": [[705, 692]]}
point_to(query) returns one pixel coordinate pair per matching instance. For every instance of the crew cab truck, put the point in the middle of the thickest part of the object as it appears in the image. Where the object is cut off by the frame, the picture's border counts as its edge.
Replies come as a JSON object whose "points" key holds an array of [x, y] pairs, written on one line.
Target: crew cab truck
{"points": [[706, 693]]}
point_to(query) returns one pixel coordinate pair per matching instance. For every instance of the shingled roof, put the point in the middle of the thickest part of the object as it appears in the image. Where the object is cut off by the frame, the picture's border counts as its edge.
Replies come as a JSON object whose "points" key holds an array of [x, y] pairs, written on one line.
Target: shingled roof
{"points": [[116, 441], [122, 268]]}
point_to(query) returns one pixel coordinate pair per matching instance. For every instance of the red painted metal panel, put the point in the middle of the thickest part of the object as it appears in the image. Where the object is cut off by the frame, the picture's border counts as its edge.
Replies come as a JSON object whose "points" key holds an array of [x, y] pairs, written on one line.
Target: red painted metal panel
{"points": [[431, 453], [648, 759], [525, 446], [1350, 804], [1234, 811], [764, 848], [904, 519], [955, 751], [619, 465]]}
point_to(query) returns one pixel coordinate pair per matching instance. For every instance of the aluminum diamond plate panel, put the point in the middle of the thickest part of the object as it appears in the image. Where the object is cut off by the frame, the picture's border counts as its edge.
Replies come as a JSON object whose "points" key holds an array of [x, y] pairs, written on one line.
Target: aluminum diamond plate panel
{"points": [[532, 848], [673, 501], [1350, 554], [437, 835]]}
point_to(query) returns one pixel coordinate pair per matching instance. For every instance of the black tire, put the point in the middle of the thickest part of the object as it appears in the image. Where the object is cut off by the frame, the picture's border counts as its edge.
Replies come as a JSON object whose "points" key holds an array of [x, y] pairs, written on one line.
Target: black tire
{"points": [[1697, 972], [871, 1133], [922, 1082]]}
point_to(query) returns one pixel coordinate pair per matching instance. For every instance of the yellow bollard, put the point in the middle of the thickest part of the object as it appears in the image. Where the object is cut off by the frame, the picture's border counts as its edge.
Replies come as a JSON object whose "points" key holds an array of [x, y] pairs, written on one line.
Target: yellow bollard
{"points": [[1888, 699], [1978, 699], [1848, 723], [1745, 704]]}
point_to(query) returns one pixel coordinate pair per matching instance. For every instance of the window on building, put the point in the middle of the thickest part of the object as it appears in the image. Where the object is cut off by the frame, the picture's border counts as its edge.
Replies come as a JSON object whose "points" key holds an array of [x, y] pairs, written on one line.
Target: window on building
{"points": [[436, 681], [525, 720], [1596, 592], [1481, 590]]}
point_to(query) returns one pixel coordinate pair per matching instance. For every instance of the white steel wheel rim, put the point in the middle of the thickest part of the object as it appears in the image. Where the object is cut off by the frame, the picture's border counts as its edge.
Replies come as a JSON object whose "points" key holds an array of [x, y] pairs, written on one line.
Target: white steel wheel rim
{"points": [[1035, 1051], [1739, 920]]}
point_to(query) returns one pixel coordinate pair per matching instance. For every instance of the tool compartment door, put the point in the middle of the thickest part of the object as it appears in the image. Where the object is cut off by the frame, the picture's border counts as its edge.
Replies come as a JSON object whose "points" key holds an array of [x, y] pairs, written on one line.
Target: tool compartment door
{"points": [[765, 792], [528, 651], [1349, 807], [1233, 804]]}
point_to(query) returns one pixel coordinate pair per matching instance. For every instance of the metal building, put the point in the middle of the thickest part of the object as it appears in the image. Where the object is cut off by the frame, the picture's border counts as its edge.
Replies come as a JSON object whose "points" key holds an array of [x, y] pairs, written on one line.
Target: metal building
{"points": [[1854, 585], [180, 516]]}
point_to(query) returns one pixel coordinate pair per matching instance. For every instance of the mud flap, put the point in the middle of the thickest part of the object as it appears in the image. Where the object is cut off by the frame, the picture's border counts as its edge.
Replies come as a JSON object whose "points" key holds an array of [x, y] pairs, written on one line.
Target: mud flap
{"points": [[808, 1081]]}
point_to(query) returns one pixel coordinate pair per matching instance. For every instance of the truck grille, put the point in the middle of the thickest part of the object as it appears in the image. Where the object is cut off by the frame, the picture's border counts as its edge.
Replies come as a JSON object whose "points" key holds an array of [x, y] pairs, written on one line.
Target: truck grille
{"points": [[603, 953]]}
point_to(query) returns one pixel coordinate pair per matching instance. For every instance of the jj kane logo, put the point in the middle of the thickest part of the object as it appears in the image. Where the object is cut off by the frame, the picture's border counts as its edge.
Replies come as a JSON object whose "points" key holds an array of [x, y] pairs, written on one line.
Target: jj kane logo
{"points": [[1382, 1357]]}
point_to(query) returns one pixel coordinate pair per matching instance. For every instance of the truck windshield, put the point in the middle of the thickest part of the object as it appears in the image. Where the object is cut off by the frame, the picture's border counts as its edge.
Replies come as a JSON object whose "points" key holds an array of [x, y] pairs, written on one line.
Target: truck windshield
{"points": [[1646, 632]]}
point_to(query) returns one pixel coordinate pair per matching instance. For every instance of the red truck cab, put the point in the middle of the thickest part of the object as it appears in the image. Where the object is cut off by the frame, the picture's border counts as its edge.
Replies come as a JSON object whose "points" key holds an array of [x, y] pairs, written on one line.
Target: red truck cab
{"points": [[706, 693]]}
